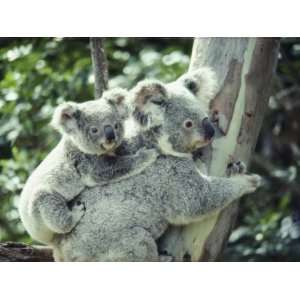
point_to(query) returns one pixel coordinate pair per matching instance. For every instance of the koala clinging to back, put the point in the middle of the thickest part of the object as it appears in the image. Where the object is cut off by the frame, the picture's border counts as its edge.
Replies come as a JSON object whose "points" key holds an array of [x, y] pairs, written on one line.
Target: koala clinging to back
{"points": [[124, 224], [91, 131]]}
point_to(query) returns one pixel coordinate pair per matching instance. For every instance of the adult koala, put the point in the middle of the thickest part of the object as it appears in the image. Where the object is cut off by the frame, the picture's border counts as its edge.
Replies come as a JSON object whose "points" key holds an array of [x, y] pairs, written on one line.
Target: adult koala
{"points": [[123, 221]]}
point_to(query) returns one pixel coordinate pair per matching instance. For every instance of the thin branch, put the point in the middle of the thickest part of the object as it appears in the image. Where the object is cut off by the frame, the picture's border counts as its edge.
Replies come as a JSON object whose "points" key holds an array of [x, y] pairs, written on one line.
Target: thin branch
{"points": [[100, 65]]}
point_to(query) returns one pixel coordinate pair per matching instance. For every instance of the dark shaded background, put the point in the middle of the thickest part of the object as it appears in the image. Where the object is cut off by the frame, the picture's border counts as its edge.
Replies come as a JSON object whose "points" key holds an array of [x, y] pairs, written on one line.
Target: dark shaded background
{"points": [[36, 74]]}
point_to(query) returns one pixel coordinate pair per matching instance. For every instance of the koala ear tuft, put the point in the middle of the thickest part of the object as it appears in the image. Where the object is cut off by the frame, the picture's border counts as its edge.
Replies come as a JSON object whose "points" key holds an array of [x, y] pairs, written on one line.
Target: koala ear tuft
{"points": [[147, 91], [116, 96], [201, 82], [65, 116]]}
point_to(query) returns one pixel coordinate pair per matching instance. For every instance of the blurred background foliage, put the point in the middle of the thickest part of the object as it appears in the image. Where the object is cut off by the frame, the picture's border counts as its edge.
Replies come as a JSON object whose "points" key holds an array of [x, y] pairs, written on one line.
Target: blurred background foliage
{"points": [[36, 74]]}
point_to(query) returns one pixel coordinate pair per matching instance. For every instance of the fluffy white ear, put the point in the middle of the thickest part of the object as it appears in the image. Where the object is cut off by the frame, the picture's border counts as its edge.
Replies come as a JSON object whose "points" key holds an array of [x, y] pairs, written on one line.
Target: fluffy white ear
{"points": [[119, 98], [201, 82], [65, 117], [116, 96], [148, 91]]}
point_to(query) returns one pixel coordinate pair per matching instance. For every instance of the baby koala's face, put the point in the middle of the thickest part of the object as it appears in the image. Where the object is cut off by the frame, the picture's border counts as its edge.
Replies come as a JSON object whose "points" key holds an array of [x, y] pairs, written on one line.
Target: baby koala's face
{"points": [[95, 127], [100, 127]]}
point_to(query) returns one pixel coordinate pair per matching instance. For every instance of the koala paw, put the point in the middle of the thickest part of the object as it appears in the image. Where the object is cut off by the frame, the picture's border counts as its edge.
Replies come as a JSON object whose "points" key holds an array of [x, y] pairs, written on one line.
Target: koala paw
{"points": [[153, 154], [148, 155], [78, 211], [235, 168], [253, 183]]}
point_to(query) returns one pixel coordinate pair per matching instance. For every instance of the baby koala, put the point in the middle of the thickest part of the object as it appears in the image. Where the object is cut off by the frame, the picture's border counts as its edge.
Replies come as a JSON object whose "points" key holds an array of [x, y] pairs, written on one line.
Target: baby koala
{"points": [[85, 157]]}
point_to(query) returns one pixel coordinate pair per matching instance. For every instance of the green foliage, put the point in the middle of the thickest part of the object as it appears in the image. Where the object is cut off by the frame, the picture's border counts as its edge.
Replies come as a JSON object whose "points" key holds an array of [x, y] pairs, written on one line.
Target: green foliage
{"points": [[36, 74], [268, 231]]}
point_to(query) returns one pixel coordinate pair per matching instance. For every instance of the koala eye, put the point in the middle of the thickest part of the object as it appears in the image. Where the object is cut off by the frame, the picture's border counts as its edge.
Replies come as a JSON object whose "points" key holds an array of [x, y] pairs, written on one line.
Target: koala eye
{"points": [[188, 124], [157, 101], [94, 130], [117, 126]]}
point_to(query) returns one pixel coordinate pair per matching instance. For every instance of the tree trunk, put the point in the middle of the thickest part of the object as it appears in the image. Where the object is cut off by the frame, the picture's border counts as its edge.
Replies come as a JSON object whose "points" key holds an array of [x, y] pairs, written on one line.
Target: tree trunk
{"points": [[244, 68]]}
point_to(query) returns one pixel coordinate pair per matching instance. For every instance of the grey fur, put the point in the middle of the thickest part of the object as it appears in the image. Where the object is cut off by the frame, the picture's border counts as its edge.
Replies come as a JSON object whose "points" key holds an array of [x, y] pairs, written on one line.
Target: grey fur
{"points": [[84, 157], [123, 221]]}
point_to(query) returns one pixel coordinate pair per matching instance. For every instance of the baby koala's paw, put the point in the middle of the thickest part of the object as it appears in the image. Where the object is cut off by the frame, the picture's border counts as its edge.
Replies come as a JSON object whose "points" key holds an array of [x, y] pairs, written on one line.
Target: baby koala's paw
{"points": [[78, 211], [148, 155], [153, 154], [235, 168], [253, 181]]}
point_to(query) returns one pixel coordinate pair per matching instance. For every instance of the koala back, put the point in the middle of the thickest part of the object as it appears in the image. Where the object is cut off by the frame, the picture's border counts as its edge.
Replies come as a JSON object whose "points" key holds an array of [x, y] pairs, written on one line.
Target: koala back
{"points": [[142, 201]]}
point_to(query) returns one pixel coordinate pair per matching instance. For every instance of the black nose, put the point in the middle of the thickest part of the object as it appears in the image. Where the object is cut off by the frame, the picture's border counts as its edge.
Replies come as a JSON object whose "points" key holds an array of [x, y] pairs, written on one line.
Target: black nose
{"points": [[109, 133], [209, 130]]}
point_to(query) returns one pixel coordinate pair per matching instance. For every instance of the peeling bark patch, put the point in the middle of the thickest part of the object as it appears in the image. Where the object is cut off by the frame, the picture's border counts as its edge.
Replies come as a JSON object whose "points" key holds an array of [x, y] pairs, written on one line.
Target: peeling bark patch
{"points": [[223, 104], [257, 83]]}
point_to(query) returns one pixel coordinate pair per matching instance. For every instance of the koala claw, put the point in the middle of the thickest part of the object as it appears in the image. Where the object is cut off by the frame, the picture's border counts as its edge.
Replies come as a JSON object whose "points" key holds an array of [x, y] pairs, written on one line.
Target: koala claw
{"points": [[234, 168]]}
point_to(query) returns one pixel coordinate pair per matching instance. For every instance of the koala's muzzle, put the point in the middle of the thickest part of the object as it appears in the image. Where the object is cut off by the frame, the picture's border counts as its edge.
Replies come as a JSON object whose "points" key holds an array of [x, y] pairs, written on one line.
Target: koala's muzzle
{"points": [[109, 133], [209, 130]]}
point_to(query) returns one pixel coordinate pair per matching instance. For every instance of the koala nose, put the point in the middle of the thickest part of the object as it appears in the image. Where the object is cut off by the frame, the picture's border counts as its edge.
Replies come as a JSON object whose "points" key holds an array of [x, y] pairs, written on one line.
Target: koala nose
{"points": [[109, 133], [209, 130]]}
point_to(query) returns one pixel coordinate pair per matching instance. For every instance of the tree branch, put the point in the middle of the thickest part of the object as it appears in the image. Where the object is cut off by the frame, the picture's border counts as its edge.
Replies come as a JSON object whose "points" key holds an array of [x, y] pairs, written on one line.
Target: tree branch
{"points": [[18, 252], [100, 66]]}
